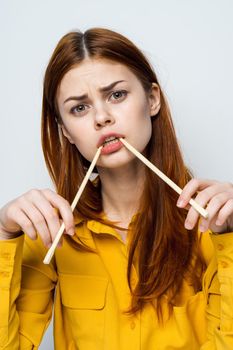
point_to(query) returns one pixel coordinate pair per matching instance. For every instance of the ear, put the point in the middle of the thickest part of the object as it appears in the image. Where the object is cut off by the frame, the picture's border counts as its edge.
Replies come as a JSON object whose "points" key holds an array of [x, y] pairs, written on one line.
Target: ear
{"points": [[66, 133], [154, 99]]}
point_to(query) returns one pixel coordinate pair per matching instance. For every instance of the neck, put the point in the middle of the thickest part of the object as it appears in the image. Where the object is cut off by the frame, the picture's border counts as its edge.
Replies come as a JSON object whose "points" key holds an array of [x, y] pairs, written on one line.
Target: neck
{"points": [[121, 191]]}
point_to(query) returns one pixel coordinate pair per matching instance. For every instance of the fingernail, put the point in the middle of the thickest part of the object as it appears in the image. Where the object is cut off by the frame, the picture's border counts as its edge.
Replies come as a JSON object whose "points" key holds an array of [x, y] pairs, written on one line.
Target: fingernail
{"points": [[187, 225], [180, 203], [218, 222], [71, 232], [202, 228]]}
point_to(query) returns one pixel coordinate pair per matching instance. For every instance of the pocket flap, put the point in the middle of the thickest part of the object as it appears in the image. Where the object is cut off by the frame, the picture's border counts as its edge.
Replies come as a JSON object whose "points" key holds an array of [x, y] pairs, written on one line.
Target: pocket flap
{"points": [[83, 292]]}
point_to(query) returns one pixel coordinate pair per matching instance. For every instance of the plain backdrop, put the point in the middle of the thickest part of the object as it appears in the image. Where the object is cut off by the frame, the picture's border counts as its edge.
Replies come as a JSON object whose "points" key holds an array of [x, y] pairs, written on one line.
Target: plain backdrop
{"points": [[189, 42]]}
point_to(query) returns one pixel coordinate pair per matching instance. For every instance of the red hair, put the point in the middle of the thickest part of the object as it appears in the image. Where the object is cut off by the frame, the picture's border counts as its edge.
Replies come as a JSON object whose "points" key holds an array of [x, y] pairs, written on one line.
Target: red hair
{"points": [[166, 252]]}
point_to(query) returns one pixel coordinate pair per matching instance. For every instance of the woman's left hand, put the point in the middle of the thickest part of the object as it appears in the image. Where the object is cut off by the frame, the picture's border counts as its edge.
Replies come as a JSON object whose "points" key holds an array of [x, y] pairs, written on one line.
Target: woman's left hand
{"points": [[216, 197]]}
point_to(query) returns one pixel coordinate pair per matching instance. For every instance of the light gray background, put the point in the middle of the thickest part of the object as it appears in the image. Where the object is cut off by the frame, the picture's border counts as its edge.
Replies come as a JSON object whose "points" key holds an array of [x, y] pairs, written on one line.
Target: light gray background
{"points": [[190, 43]]}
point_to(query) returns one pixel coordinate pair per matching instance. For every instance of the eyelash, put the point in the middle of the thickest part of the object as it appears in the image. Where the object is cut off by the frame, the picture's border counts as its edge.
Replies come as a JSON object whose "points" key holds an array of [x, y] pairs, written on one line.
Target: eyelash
{"points": [[123, 93], [73, 109]]}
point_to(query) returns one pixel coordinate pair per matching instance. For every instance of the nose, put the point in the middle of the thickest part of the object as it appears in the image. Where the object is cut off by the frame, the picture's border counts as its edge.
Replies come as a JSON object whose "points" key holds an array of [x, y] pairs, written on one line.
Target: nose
{"points": [[103, 118]]}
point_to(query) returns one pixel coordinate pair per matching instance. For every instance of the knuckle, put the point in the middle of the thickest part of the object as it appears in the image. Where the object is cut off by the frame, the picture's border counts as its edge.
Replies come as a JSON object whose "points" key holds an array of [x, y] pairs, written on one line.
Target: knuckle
{"points": [[65, 209], [228, 207], [201, 197], [52, 216], [230, 185], [12, 210], [63, 201], [66, 202], [38, 219], [215, 182], [21, 201], [60, 197], [194, 214], [68, 213], [46, 239], [31, 234], [217, 201], [221, 214], [26, 224], [47, 190], [32, 192], [195, 182], [69, 218]]}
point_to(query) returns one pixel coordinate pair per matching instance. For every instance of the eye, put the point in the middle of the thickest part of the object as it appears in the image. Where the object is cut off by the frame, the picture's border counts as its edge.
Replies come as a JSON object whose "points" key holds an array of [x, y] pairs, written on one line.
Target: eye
{"points": [[118, 95], [79, 109]]}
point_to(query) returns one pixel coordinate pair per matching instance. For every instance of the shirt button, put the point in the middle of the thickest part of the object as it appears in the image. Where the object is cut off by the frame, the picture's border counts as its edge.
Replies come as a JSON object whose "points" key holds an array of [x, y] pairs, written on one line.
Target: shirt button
{"points": [[224, 264], [132, 325], [220, 246]]}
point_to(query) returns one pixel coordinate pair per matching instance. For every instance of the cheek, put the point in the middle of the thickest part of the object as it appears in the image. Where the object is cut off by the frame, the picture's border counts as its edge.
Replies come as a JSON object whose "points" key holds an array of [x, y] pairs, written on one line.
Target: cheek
{"points": [[83, 140], [141, 119], [142, 127], [141, 109], [146, 133], [86, 148]]}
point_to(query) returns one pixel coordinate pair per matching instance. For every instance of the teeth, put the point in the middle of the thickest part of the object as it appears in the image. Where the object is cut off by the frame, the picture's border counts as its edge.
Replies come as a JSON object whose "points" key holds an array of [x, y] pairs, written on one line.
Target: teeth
{"points": [[110, 140]]}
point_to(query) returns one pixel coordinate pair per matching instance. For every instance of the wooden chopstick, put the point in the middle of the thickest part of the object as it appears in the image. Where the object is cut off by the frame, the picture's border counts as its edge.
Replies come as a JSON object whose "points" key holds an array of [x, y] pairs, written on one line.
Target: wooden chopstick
{"points": [[51, 250], [165, 178], [158, 172]]}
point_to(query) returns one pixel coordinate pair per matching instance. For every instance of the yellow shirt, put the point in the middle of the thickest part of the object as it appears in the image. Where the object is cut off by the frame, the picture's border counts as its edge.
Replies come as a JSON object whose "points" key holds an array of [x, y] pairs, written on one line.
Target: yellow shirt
{"points": [[89, 293]]}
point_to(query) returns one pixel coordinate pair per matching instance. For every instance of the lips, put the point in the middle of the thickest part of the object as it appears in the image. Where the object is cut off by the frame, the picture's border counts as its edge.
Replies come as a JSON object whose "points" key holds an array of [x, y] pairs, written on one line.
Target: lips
{"points": [[105, 137]]}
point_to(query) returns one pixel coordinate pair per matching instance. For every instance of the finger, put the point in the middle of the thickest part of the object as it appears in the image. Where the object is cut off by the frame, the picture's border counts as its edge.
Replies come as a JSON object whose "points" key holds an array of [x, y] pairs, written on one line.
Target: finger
{"points": [[64, 208], [202, 199], [48, 212], [225, 212], [46, 198], [25, 223], [215, 202], [60, 243], [191, 219], [38, 221], [187, 207], [213, 208], [191, 189]]}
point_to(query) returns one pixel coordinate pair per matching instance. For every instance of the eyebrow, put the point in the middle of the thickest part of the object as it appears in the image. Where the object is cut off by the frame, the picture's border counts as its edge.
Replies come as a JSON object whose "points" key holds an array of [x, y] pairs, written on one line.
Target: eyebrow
{"points": [[103, 89]]}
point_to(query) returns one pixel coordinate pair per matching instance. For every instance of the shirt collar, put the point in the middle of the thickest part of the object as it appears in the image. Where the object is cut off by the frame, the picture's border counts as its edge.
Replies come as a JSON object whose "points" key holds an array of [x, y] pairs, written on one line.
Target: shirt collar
{"points": [[98, 227]]}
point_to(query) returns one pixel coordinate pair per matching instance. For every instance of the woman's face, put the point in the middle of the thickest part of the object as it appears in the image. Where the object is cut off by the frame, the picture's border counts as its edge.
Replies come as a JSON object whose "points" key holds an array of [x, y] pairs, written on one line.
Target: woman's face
{"points": [[99, 99]]}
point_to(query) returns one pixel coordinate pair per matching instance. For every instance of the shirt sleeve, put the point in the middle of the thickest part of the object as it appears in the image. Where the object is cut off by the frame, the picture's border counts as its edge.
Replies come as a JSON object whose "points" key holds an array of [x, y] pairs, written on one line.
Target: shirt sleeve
{"points": [[218, 288], [26, 293]]}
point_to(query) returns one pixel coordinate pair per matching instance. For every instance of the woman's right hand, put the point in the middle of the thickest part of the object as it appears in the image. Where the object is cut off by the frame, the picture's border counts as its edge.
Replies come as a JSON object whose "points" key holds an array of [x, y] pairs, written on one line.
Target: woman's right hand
{"points": [[36, 212]]}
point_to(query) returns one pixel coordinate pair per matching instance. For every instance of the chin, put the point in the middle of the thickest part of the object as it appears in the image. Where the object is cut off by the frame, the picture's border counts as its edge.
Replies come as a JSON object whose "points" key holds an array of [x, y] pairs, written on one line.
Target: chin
{"points": [[117, 161]]}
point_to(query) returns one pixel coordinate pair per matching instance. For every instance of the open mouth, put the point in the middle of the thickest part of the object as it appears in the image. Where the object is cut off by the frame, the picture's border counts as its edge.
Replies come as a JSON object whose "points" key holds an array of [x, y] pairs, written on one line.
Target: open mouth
{"points": [[110, 140], [111, 144]]}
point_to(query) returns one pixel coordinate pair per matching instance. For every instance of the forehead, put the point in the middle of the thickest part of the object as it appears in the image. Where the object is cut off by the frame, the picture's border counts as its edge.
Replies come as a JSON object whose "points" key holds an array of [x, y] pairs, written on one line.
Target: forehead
{"points": [[94, 73]]}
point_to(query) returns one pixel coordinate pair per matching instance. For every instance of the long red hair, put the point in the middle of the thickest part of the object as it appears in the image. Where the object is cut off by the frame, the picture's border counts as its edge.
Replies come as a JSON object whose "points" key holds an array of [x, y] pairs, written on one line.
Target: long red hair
{"points": [[166, 252]]}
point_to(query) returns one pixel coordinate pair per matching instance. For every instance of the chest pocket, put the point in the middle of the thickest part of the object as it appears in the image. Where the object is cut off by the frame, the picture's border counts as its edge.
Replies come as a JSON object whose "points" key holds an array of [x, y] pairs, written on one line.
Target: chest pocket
{"points": [[83, 299]]}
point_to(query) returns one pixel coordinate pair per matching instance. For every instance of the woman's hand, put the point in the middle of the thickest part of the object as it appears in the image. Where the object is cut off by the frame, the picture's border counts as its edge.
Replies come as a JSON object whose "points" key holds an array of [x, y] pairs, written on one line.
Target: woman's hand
{"points": [[36, 212], [216, 197]]}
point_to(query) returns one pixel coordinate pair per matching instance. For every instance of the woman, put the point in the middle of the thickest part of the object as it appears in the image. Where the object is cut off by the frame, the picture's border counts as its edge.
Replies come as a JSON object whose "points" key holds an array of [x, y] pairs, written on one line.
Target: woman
{"points": [[134, 270]]}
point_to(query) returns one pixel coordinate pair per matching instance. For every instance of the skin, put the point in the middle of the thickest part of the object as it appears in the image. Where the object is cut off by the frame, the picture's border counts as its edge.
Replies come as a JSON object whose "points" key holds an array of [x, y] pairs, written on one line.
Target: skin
{"points": [[121, 174], [126, 109]]}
